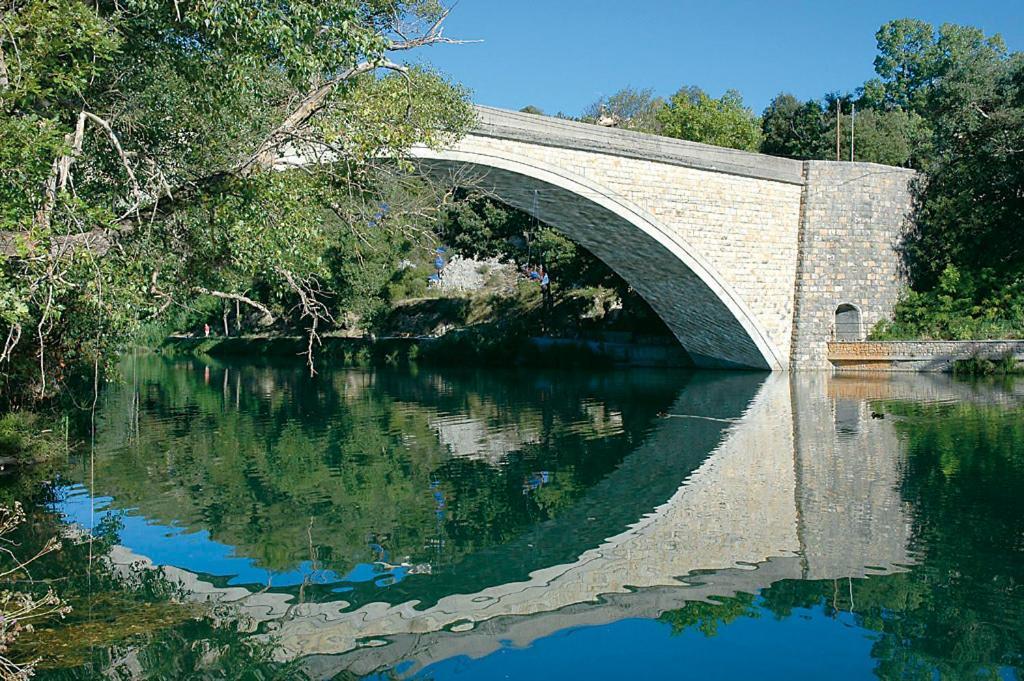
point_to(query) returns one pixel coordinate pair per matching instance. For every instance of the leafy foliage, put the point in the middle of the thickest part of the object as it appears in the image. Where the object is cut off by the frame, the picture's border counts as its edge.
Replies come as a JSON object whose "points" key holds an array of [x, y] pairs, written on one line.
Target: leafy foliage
{"points": [[796, 129], [26, 438], [630, 109], [144, 136], [807, 130], [971, 205], [962, 306], [691, 114]]}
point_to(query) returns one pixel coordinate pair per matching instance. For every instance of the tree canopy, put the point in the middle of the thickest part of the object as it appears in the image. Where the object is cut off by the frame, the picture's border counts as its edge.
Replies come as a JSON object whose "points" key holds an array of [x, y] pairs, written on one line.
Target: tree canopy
{"points": [[141, 139], [691, 114], [630, 109]]}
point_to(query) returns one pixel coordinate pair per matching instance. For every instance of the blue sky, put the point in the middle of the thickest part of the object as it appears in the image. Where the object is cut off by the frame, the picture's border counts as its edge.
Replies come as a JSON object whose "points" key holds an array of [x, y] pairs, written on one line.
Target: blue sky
{"points": [[561, 55]]}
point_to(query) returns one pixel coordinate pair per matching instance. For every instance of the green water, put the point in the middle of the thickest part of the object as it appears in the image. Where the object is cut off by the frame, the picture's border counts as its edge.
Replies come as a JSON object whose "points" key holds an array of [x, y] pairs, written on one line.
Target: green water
{"points": [[469, 524]]}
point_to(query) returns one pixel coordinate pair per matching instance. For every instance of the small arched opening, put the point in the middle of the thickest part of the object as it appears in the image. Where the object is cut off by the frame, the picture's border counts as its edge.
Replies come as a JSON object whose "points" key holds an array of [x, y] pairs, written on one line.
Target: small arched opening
{"points": [[848, 323]]}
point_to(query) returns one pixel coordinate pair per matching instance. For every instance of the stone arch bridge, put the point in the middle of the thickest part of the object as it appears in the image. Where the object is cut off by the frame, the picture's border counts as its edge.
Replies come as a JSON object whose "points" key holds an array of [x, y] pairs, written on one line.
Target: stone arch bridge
{"points": [[746, 257]]}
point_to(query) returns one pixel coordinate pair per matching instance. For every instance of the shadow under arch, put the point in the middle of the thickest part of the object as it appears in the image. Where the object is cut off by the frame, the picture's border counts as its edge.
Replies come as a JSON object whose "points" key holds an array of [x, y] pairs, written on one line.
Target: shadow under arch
{"points": [[705, 314]]}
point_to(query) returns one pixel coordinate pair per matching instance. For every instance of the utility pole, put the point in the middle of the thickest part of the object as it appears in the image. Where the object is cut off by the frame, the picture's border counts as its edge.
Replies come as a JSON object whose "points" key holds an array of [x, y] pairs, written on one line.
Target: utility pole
{"points": [[853, 124], [839, 113]]}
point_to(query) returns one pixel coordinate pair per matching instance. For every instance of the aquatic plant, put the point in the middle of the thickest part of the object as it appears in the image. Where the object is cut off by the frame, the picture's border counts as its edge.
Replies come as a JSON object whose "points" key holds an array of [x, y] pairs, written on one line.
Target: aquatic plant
{"points": [[20, 610]]}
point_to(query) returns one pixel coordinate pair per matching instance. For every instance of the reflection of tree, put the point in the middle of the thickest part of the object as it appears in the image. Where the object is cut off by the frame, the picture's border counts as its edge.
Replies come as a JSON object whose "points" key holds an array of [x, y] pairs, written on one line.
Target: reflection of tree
{"points": [[106, 606], [962, 611], [706, 617], [259, 455], [127, 622]]}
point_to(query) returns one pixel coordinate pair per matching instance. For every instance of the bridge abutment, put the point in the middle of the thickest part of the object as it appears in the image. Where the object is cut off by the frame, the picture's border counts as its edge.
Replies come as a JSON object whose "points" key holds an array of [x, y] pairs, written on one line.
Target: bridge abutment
{"points": [[853, 218]]}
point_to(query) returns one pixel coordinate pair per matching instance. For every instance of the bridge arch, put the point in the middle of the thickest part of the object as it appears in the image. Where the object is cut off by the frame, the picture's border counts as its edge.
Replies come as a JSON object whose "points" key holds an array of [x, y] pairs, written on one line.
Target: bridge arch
{"points": [[700, 308]]}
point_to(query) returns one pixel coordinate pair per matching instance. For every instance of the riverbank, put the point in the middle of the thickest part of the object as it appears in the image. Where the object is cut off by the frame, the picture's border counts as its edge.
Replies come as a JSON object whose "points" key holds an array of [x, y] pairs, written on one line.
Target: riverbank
{"points": [[465, 347], [482, 348]]}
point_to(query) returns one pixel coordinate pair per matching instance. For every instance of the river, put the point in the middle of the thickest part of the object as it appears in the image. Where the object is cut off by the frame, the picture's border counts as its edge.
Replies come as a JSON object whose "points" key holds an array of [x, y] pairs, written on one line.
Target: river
{"points": [[410, 523]]}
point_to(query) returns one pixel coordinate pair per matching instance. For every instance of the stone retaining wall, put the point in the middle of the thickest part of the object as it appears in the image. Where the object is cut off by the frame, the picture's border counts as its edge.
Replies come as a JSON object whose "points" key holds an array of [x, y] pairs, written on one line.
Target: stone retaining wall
{"points": [[917, 355]]}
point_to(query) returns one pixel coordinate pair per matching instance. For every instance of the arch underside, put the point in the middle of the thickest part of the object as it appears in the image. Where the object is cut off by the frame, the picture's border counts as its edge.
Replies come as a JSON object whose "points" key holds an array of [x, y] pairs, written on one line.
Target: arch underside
{"points": [[701, 311]]}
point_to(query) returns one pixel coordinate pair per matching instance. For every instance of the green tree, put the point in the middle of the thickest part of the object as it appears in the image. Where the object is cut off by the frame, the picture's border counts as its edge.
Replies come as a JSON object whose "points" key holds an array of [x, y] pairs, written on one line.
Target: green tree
{"points": [[892, 137], [796, 129], [906, 62], [725, 122], [483, 228], [969, 206], [632, 109], [140, 143], [913, 58], [807, 130]]}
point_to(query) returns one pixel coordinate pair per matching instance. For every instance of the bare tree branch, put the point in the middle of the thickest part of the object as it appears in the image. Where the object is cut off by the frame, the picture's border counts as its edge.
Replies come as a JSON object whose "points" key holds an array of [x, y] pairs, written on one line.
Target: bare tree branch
{"points": [[5, 76], [311, 307], [116, 143], [433, 36], [61, 171], [13, 337], [309, 106], [237, 297]]}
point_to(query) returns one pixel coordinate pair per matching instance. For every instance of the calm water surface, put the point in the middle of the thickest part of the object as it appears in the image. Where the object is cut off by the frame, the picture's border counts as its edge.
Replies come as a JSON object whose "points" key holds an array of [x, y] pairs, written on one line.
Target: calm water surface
{"points": [[408, 523]]}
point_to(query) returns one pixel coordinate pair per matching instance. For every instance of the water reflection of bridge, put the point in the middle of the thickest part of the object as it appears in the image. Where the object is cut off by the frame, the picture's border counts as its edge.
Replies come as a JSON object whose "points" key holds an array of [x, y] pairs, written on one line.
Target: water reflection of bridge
{"points": [[800, 485]]}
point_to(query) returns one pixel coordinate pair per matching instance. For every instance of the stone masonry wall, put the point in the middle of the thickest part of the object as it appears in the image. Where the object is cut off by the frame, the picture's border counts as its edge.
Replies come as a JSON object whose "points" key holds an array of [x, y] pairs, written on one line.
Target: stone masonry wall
{"points": [[854, 217], [927, 356]]}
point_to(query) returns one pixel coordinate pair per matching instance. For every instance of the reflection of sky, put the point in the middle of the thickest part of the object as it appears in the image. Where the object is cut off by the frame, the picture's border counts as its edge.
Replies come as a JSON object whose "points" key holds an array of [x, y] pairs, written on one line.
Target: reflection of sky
{"points": [[806, 645], [198, 553]]}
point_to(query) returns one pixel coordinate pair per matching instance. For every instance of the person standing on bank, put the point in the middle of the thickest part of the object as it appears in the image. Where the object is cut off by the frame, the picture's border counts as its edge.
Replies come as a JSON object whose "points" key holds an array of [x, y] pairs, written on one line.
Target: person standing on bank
{"points": [[545, 290], [439, 262]]}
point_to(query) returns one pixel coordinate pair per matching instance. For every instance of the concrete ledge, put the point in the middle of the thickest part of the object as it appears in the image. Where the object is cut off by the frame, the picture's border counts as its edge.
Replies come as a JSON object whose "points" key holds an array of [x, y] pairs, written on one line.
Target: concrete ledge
{"points": [[557, 132], [927, 356]]}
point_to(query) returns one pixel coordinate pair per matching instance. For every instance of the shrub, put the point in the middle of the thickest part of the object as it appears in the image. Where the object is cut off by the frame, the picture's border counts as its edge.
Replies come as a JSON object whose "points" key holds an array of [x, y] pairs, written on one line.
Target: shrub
{"points": [[962, 306], [23, 438]]}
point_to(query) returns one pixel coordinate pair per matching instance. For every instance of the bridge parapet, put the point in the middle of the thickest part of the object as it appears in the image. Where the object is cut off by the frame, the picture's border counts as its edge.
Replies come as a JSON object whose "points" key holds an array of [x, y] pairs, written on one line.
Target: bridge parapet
{"points": [[559, 132]]}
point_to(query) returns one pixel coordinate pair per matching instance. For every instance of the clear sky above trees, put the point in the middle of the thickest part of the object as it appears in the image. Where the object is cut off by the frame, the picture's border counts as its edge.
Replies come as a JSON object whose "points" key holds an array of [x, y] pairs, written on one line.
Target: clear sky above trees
{"points": [[562, 56]]}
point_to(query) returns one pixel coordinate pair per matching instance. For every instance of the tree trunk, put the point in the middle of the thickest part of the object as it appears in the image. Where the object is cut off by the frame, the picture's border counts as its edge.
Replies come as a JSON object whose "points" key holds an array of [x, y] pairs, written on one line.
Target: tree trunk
{"points": [[5, 81]]}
